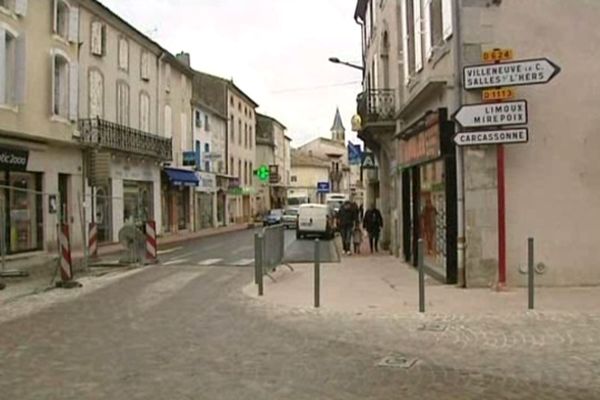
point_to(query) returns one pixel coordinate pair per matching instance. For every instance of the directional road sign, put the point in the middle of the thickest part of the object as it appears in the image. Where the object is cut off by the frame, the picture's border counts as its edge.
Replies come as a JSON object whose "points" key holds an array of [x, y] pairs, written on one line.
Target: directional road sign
{"points": [[515, 73], [502, 136], [492, 114]]}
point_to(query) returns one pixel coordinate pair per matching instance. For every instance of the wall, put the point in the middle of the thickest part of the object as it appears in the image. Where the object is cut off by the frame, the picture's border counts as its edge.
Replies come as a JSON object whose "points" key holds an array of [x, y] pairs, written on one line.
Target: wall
{"points": [[307, 178]]}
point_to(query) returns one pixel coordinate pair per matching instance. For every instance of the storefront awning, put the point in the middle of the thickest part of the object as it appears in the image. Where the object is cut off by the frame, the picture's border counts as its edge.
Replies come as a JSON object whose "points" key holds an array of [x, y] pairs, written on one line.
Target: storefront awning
{"points": [[181, 177]]}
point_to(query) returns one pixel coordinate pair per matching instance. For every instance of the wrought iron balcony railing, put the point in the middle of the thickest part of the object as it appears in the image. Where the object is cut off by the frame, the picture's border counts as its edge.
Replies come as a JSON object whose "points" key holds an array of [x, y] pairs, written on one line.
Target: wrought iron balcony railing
{"points": [[376, 105], [109, 135]]}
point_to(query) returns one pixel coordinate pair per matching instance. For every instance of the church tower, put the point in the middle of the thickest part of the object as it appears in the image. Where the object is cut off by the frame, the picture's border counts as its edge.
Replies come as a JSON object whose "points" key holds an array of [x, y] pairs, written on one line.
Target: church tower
{"points": [[338, 132]]}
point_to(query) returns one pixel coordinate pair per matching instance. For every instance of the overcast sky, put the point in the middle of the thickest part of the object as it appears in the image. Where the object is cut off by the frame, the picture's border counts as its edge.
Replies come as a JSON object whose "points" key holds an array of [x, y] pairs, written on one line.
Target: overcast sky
{"points": [[276, 51]]}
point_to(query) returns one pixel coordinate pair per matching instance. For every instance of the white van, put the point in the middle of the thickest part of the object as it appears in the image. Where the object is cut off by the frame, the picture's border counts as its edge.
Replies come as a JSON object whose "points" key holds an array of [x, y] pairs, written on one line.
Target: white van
{"points": [[314, 219]]}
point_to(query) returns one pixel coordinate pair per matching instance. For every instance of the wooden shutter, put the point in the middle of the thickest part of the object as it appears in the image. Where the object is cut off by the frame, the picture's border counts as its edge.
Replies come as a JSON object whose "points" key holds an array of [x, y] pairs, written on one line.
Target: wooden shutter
{"points": [[417, 36], [73, 91], [21, 70], [21, 7], [405, 50], [55, 17], [447, 22], [74, 24], [54, 83], [428, 29], [96, 39]]}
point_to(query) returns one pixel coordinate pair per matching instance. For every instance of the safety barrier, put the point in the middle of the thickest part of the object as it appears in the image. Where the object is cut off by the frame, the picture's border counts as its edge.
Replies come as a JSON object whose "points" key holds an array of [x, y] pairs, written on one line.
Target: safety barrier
{"points": [[66, 266], [93, 240], [269, 246], [151, 245]]}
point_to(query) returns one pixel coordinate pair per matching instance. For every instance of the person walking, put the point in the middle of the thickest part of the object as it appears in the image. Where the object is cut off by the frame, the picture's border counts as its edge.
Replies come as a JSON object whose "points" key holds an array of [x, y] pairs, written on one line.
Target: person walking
{"points": [[347, 218], [357, 237], [373, 222]]}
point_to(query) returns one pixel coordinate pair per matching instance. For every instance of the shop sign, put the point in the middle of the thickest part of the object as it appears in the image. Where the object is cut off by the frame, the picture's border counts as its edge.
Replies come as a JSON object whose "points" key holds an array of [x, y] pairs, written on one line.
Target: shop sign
{"points": [[13, 159], [493, 114], [516, 73], [206, 181], [189, 158], [422, 147]]}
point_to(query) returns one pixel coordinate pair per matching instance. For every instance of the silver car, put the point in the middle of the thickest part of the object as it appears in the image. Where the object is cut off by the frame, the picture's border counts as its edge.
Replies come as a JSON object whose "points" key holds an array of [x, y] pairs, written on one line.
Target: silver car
{"points": [[290, 218]]}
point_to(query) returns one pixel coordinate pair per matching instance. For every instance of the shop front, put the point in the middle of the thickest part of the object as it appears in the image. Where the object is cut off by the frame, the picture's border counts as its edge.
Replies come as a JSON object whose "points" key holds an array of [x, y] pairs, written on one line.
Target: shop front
{"points": [[222, 199], [177, 192], [428, 168], [206, 201]]}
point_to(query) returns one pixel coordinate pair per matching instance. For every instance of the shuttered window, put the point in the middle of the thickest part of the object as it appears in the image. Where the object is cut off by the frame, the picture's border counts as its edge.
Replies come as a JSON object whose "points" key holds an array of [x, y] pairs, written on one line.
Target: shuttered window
{"points": [[417, 35], [447, 22], [144, 112], [96, 94], [122, 103], [123, 54], [98, 39]]}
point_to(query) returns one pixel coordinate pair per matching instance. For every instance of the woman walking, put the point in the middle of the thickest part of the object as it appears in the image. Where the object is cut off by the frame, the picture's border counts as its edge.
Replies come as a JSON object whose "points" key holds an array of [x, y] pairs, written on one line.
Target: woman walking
{"points": [[373, 222]]}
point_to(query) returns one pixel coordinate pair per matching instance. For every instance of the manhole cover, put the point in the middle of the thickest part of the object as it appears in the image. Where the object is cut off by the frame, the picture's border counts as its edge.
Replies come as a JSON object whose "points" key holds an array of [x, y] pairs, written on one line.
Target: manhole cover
{"points": [[397, 361], [433, 327]]}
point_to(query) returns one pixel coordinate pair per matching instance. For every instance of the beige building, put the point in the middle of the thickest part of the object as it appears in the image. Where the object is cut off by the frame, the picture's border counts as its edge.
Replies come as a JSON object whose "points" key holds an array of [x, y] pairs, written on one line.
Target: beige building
{"points": [[449, 196], [39, 148], [306, 170]]}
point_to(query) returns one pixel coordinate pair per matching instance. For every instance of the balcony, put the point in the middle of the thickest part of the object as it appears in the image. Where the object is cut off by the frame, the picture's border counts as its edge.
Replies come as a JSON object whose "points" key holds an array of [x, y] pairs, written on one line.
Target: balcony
{"points": [[377, 109], [108, 135]]}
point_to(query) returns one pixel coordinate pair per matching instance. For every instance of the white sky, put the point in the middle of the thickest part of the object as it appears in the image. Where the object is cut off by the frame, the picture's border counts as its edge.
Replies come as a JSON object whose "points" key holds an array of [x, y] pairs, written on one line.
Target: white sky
{"points": [[268, 47]]}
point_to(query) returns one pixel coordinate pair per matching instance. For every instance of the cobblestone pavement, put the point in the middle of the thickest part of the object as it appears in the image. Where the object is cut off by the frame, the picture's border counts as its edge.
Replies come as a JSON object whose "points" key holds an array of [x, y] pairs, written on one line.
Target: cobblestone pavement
{"points": [[189, 333]]}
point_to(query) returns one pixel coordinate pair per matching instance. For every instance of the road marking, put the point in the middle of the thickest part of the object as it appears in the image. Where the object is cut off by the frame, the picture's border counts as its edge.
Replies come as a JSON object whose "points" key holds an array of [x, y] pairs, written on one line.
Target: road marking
{"points": [[178, 261], [242, 249], [210, 261], [167, 251], [243, 261]]}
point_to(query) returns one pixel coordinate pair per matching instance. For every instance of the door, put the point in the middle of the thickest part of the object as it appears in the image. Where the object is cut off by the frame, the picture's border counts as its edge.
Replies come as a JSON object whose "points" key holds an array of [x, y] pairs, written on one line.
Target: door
{"points": [[63, 192]]}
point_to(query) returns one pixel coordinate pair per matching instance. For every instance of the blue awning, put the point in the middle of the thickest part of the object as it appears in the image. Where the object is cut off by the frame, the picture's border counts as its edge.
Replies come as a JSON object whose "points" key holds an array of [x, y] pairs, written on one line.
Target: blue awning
{"points": [[181, 177]]}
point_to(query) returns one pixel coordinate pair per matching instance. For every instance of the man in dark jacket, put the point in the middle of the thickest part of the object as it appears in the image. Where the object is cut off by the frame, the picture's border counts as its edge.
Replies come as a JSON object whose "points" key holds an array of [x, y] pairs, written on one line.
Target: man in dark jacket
{"points": [[373, 222], [347, 218]]}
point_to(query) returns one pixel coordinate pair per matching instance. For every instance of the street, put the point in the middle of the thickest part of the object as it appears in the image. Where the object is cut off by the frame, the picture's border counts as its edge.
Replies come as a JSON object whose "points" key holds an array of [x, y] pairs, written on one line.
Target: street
{"points": [[184, 330]]}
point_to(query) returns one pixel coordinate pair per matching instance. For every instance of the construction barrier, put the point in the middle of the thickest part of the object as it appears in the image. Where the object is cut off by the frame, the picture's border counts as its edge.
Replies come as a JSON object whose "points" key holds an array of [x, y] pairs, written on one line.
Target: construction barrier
{"points": [[66, 266], [93, 240], [151, 245]]}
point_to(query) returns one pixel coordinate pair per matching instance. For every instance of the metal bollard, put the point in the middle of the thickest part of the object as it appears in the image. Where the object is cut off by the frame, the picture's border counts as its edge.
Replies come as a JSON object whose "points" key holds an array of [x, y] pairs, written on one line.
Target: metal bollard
{"points": [[421, 276], [530, 271], [317, 274], [258, 262]]}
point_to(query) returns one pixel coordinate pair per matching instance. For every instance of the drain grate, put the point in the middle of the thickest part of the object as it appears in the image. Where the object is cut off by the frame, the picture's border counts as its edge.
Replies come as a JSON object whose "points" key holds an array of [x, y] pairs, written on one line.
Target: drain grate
{"points": [[397, 361], [433, 327]]}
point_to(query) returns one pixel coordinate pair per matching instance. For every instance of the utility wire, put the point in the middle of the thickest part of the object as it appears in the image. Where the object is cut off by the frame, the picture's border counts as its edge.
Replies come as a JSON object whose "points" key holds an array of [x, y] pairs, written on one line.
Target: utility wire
{"points": [[308, 88]]}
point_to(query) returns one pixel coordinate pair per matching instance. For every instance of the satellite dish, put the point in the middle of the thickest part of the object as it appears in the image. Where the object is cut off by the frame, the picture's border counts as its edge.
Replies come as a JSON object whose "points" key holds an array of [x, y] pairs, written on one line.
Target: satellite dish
{"points": [[134, 241]]}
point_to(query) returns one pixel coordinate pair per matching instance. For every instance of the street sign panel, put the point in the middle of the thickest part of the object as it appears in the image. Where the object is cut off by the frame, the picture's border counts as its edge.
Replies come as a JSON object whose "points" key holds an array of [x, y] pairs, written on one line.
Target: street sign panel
{"points": [[323, 187], [498, 94], [368, 162], [497, 55], [492, 114], [502, 136], [514, 73]]}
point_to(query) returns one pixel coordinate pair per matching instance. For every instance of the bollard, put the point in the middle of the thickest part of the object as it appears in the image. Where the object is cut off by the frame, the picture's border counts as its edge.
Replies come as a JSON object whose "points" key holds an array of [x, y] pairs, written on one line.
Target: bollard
{"points": [[317, 274], [258, 262], [421, 276], [530, 271]]}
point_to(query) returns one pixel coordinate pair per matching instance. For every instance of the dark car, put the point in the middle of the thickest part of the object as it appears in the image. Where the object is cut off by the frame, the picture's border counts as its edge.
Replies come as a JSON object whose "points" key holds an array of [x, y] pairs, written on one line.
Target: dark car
{"points": [[273, 217]]}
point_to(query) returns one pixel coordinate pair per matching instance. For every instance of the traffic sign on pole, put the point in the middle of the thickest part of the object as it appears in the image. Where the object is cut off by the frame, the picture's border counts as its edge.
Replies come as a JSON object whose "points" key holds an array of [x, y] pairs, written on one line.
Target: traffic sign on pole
{"points": [[492, 114], [515, 73], [501, 136]]}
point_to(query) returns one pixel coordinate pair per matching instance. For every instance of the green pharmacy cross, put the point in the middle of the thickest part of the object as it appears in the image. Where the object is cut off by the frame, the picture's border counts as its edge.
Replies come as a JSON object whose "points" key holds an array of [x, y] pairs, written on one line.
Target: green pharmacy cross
{"points": [[263, 173]]}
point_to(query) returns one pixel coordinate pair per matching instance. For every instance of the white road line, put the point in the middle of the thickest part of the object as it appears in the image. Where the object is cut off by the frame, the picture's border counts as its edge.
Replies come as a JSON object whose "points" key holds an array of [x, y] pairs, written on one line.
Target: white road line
{"points": [[210, 261], [167, 251], [243, 261], [178, 261], [242, 249]]}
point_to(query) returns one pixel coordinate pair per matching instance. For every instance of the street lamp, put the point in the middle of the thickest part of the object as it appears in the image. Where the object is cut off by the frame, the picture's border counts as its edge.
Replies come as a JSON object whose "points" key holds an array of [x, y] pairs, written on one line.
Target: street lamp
{"points": [[336, 60]]}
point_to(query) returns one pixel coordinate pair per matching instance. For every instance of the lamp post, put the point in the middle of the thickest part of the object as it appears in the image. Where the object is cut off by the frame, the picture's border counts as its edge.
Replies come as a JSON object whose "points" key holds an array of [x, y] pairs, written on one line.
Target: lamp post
{"points": [[336, 60]]}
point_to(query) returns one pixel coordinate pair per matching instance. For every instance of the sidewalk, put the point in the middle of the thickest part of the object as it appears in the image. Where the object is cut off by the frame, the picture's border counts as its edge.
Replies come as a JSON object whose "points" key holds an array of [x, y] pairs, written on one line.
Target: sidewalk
{"points": [[382, 284]]}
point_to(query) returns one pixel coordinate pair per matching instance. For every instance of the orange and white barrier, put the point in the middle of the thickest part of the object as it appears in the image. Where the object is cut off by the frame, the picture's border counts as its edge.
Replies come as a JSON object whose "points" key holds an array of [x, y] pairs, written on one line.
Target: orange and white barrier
{"points": [[151, 245], [66, 267]]}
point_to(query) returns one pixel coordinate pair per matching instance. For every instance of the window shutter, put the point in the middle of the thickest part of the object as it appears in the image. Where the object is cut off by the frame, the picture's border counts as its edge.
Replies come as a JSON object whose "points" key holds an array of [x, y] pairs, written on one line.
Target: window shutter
{"points": [[417, 36], [54, 83], [103, 40], [21, 70], [428, 29], [96, 42], [73, 90], [74, 24], [404, 23], [447, 18], [21, 7], [55, 19], [2, 66]]}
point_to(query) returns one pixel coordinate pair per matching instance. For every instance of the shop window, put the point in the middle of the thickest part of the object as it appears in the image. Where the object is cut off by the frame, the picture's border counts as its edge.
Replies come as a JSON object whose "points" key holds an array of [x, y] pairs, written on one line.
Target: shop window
{"points": [[96, 93], [138, 205], [122, 103]]}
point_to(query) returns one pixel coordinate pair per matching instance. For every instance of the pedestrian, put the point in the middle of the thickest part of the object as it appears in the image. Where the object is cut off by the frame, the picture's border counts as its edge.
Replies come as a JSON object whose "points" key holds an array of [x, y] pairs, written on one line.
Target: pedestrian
{"points": [[347, 218], [361, 212], [357, 236], [373, 222]]}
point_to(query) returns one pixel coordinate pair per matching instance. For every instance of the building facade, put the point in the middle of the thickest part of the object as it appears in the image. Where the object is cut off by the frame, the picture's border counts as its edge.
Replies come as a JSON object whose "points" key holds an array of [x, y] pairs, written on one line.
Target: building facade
{"points": [[448, 195], [306, 171]]}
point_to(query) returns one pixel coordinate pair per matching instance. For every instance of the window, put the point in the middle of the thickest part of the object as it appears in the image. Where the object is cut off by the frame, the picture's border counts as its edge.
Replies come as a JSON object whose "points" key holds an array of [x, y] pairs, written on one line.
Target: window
{"points": [[239, 106], [231, 165], [19, 7], [206, 148], [98, 39], [96, 94], [245, 172], [239, 171], [60, 82], [251, 137], [145, 66], [250, 173], [198, 119], [232, 128], [123, 54], [168, 78], [294, 178], [408, 39], [12, 68], [220, 164], [144, 112], [183, 128], [245, 135], [231, 100], [240, 132], [168, 122], [66, 21], [122, 103], [417, 29], [206, 124], [207, 166], [447, 18]]}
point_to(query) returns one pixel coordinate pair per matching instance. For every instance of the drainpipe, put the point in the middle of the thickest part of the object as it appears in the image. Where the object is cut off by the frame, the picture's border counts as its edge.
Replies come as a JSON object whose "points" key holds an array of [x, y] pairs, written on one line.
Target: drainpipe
{"points": [[460, 179]]}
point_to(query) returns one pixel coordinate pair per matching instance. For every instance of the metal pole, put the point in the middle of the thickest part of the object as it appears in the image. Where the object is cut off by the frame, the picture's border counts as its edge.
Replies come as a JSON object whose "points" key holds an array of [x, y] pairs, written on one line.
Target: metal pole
{"points": [[530, 271], [501, 218], [317, 274], [256, 257], [3, 233], [259, 261], [421, 276]]}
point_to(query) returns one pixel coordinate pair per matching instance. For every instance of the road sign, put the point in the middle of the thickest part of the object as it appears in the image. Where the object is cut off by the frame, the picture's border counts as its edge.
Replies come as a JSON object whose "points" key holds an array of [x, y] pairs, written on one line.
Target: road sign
{"points": [[498, 94], [492, 114], [497, 55], [368, 162], [323, 187], [515, 73], [502, 136], [212, 156]]}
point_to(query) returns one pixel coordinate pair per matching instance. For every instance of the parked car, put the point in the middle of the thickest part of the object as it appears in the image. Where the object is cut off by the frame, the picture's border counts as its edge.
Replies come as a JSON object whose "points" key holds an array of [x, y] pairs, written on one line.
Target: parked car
{"points": [[290, 217], [273, 217], [314, 219]]}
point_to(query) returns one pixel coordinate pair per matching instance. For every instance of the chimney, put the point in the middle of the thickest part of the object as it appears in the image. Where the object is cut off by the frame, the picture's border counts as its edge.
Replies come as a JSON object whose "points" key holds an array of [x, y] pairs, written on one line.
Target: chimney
{"points": [[184, 58]]}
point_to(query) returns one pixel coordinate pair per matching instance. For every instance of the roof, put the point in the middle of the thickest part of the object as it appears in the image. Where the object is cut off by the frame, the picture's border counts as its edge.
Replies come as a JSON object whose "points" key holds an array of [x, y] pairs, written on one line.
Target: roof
{"points": [[259, 115], [337, 122], [229, 83], [302, 159]]}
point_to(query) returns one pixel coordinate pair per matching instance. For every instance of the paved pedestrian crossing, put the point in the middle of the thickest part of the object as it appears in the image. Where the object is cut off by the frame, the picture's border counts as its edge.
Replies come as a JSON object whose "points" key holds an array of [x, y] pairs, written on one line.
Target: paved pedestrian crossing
{"points": [[242, 262]]}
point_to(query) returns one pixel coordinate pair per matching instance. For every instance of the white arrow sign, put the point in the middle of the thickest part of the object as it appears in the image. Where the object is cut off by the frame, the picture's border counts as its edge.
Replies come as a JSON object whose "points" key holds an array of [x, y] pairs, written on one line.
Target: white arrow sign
{"points": [[515, 73], [492, 114], [503, 136]]}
